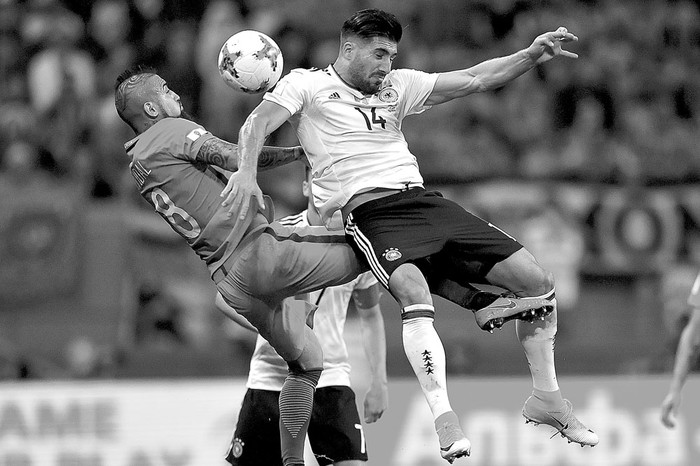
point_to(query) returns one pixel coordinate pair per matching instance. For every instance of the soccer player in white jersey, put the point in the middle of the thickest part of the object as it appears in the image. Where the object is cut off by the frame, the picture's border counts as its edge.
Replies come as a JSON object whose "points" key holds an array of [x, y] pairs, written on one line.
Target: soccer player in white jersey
{"points": [[686, 353], [348, 119], [335, 431]]}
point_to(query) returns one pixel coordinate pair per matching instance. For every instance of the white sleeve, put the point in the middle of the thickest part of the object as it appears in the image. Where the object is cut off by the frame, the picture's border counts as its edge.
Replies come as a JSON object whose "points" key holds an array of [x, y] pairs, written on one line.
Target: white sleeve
{"points": [[291, 91], [414, 87]]}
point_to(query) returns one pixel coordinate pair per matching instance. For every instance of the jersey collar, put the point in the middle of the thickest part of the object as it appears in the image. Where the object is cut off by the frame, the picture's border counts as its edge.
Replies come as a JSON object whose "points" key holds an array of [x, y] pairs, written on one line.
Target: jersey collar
{"points": [[130, 144]]}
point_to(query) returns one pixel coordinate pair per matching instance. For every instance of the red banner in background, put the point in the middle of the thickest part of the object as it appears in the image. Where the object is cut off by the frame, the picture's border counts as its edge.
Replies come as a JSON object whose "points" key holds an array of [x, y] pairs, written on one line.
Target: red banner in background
{"points": [[40, 230]]}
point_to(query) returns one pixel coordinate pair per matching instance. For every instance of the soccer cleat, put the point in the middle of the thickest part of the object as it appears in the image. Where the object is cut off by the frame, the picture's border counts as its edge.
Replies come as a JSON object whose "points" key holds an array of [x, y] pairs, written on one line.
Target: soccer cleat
{"points": [[458, 449], [507, 308], [453, 443], [563, 421]]}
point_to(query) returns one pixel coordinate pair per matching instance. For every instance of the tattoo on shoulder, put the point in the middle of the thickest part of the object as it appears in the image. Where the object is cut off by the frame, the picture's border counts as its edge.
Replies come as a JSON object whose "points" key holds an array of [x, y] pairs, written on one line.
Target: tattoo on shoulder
{"points": [[213, 150]]}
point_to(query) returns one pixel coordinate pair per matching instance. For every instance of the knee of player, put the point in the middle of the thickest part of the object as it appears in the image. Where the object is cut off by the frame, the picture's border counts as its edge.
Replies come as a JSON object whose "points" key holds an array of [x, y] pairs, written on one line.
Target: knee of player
{"points": [[309, 358], [409, 287], [539, 282], [290, 354], [545, 282]]}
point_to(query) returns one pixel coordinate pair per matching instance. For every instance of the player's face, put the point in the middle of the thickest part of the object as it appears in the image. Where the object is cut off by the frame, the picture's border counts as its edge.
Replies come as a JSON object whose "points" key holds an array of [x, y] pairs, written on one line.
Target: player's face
{"points": [[167, 100], [371, 63]]}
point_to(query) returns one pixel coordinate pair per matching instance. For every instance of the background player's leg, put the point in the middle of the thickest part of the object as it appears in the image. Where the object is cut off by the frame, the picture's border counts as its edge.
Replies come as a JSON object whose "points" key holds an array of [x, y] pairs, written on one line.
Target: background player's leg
{"points": [[256, 437], [335, 430], [426, 355]]}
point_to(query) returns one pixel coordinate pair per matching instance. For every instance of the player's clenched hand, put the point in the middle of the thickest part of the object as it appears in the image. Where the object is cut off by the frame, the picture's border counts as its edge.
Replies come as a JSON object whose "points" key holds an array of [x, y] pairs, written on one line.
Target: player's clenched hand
{"points": [[242, 187], [548, 45], [669, 407], [376, 402]]}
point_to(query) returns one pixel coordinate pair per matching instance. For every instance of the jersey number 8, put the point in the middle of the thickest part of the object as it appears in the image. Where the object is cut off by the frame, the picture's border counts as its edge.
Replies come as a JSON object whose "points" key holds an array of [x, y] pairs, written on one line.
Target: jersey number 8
{"points": [[180, 220]]}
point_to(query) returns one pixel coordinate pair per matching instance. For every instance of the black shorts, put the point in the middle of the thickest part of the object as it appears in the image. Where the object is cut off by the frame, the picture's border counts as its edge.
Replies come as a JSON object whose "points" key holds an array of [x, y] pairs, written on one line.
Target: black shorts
{"points": [[335, 430], [422, 227]]}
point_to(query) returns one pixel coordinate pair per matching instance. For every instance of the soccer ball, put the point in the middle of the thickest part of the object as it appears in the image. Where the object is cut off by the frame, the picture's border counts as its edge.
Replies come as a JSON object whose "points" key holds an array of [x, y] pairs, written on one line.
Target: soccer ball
{"points": [[250, 62]]}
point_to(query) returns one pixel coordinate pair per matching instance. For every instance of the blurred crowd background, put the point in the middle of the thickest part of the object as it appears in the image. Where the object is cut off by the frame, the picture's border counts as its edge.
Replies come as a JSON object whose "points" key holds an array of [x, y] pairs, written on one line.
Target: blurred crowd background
{"points": [[593, 163]]}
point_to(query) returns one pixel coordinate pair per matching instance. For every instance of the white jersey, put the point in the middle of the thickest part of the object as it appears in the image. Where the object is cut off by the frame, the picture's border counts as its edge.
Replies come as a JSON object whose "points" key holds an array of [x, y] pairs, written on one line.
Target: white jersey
{"points": [[268, 370], [353, 142]]}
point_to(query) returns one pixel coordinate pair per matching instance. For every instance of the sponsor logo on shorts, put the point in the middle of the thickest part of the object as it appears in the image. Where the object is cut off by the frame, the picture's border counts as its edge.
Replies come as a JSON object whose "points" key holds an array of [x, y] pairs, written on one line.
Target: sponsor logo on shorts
{"points": [[392, 254]]}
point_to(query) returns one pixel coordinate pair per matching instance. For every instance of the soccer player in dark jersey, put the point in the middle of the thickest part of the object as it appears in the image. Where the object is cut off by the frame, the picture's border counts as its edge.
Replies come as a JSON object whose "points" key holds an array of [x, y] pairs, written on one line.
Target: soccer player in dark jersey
{"points": [[336, 434], [254, 263], [348, 119]]}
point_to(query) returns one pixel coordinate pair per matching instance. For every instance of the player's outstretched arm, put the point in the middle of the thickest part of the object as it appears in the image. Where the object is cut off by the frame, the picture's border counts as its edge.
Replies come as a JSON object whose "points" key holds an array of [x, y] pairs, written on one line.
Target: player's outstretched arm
{"points": [[688, 349], [496, 72], [224, 154], [242, 186], [374, 342]]}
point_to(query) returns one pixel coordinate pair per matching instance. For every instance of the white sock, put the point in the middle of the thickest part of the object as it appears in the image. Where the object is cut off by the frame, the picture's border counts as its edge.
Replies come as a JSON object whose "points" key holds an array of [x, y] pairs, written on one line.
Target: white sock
{"points": [[538, 341], [426, 355]]}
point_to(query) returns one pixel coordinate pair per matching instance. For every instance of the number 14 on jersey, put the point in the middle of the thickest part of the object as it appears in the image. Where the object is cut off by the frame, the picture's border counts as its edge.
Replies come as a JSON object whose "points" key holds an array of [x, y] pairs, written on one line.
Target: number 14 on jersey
{"points": [[377, 120]]}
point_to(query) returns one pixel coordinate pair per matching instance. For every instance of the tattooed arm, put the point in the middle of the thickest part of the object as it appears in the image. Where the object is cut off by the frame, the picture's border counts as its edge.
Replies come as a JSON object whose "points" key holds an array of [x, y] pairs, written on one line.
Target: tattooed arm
{"points": [[224, 154]]}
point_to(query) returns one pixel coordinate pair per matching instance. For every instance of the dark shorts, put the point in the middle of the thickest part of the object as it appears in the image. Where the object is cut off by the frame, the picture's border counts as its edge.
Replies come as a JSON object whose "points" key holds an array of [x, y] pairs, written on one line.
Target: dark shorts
{"points": [[335, 430], [422, 227]]}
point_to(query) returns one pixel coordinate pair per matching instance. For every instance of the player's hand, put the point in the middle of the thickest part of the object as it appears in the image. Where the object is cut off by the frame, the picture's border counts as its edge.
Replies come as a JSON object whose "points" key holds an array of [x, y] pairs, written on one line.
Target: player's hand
{"points": [[669, 408], [376, 402], [548, 45], [242, 187]]}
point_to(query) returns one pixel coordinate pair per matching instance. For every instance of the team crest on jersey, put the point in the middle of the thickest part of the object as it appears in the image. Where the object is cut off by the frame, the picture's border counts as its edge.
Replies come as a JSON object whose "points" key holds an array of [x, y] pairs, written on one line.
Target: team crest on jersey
{"points": [[392, 254], [237, 447], [388, 95]]}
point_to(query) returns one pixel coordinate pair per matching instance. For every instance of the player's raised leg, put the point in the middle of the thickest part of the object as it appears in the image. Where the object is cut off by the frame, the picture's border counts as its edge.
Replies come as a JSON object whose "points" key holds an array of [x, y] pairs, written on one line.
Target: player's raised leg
{"points": [[521, 274], [491, 310], [426, 355]]}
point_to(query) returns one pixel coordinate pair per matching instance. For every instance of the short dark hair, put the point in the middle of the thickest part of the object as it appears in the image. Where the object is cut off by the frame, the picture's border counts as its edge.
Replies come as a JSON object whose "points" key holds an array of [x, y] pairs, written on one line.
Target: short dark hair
{"points": [[120, 93], [133, 71], [372, 23]]}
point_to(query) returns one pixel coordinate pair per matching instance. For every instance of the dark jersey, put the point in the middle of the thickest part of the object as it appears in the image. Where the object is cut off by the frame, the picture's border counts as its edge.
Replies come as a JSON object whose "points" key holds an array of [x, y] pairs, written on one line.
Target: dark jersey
{"points": [[185, 191]]}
